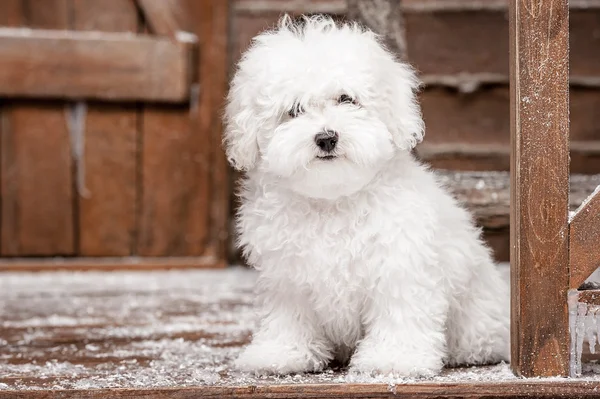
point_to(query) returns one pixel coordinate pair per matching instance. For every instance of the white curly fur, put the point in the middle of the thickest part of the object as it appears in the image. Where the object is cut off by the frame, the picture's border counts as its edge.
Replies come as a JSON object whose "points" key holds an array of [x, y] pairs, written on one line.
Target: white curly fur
{"points": [[364, 257]]}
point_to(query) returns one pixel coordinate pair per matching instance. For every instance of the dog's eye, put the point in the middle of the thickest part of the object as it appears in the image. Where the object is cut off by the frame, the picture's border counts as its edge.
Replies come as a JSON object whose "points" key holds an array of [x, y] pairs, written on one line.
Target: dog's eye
{"points": [[346, 99], [296, 110]]}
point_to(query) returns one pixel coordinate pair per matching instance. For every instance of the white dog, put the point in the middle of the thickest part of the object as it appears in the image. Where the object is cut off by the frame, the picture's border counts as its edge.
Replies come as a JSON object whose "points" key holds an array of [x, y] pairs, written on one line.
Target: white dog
{"points": [[362, 255]]}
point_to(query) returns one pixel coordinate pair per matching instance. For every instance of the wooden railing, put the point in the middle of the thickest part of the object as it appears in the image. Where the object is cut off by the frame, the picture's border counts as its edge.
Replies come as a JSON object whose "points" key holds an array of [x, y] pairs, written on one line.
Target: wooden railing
{"points": [[551, 253]]}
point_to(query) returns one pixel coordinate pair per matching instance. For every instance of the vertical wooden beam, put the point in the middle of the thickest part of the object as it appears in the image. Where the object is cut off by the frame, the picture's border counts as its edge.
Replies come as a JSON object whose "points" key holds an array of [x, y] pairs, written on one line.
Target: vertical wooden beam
{"points": [[539, 66], [212, 27], [108, 163], [185, 189], [37, 185]]}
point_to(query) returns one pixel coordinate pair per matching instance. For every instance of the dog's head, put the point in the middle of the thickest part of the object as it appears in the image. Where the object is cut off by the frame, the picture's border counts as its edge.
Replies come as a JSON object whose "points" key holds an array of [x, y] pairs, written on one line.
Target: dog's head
{"points": [[322, 106]]}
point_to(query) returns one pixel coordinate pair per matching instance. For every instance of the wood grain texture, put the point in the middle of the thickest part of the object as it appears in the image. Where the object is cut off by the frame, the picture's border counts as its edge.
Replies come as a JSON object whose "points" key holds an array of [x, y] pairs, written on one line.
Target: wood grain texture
{"points": [[584, 235], [109, 161], [210, 19], [163, 16], [554, 389], [37, 213], [185, 206], [76, 65], [539, 37], [174, 217]]}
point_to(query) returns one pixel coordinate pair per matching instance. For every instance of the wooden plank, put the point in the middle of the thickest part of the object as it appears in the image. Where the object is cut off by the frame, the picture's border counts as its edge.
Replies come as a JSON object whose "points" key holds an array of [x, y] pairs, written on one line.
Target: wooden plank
{"points": [[108, 164], [108, 201], [106, 66], [487, 194], [539, 43], [534, 389], [37, 214], [174, 202], [185, 200], [109, 263], [164, 17], [12, 14], [210, 19], [584, 235]]}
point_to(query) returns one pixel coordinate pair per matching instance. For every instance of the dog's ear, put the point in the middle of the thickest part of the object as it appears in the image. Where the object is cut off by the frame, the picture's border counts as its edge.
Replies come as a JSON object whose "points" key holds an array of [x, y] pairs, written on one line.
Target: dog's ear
{"points": [[401, 109], [241, 127]]}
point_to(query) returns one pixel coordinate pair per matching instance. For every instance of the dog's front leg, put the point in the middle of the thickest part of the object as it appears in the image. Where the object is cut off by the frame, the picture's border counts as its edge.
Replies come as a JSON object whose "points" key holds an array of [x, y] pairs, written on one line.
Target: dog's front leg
{"points": [[289, 339], [404, 326]]}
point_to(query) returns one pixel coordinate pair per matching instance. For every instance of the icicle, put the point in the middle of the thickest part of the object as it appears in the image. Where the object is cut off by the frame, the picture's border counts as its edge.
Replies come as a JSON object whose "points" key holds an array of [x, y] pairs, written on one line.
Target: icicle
{"points": [[572, 303], [580, 334], [597, 324], [590, 329], [76, 114]]}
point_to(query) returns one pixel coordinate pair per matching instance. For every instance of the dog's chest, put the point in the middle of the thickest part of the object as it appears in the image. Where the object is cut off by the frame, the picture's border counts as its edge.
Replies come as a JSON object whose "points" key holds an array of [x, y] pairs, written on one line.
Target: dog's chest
{"points": [[322, 252]]}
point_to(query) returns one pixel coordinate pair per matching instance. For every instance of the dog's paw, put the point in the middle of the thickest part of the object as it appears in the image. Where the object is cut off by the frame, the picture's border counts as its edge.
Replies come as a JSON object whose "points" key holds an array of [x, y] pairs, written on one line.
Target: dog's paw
{"points": [[395, 362], [278, 359]]}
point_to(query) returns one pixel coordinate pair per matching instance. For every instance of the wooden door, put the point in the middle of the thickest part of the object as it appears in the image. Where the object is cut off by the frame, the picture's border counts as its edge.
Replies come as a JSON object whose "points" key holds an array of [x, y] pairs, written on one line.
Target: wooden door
{"points": [[110, 151]]}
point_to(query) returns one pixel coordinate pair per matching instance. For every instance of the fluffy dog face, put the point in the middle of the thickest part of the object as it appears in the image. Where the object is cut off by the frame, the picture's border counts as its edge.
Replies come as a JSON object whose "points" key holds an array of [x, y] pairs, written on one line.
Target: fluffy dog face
{"points": [[322, 107]]}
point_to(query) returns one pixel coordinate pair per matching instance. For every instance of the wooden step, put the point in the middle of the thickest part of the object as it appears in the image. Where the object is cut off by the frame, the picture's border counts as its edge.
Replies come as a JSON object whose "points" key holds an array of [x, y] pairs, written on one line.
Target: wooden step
{"points": [[487, 194], [175, 334]]}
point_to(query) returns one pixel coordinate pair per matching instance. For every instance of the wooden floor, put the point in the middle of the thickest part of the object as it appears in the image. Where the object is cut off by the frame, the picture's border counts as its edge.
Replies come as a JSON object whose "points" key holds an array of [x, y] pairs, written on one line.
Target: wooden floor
{"points": [[173, 335]]}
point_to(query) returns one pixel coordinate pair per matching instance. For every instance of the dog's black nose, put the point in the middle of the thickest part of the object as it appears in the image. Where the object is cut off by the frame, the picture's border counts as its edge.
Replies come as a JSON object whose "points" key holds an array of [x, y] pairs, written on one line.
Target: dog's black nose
{"points": [[326, 140]]}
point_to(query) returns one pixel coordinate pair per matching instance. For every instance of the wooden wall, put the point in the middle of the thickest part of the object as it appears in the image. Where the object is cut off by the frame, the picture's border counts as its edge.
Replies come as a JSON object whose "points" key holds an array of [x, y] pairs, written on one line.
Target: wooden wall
{"points": [[93, 181]]}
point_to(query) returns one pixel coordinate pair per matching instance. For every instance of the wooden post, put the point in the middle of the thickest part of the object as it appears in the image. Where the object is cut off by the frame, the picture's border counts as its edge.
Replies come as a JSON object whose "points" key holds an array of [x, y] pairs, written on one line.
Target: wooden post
{"points": [[539, 67]]}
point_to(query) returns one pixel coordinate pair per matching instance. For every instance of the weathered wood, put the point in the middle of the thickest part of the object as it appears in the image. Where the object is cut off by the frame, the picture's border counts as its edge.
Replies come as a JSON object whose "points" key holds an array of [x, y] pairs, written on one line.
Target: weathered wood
{"points": [[185, 172], [482, 157], [164, 17], [584, 235], [106, 66], [107, 167], [37, 213], [175, 334], [521, 389], [107, 196], [210, 20], [175, 179], [487, 194], [539, 43], [109, 263]]}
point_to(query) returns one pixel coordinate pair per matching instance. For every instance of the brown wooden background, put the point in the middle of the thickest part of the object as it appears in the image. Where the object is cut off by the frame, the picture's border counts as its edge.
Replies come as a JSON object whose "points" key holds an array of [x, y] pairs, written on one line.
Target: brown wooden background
{"points": [[155, 182], [157, 186]]}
